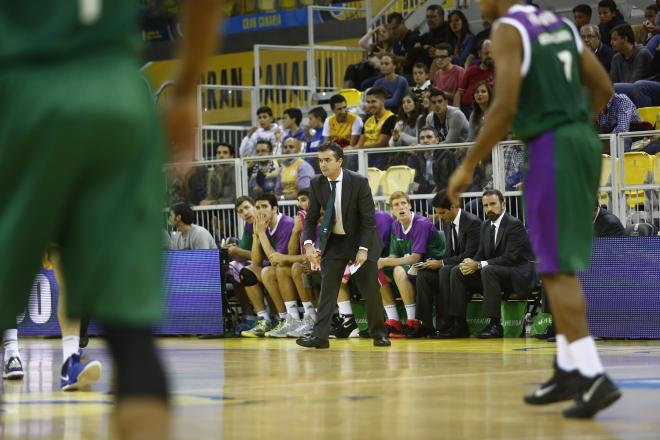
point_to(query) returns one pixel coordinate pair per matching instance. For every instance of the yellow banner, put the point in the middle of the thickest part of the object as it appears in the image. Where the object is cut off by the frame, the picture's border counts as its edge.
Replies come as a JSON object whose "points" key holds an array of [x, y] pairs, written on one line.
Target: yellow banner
{"points": [[278, 67]]}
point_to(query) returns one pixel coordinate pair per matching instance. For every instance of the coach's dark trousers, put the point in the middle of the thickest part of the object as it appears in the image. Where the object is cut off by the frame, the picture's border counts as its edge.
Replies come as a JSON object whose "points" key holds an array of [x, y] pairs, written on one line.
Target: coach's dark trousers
{"points": [[491, 281], [433, 289], [366, 280]]}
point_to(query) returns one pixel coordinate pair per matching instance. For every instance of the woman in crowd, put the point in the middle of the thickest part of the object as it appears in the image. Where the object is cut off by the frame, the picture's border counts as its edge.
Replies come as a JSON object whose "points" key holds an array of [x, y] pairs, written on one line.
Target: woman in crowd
{"points": [[482, 97], [405, 130], [369, 67], [462, 40]]}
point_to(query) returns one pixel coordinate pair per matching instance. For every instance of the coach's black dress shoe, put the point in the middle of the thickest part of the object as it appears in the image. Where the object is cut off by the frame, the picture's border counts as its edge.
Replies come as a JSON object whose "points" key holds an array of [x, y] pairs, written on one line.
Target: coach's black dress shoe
{"points": [[457, 331], [493, 331], [313, 342], [382, 341]]}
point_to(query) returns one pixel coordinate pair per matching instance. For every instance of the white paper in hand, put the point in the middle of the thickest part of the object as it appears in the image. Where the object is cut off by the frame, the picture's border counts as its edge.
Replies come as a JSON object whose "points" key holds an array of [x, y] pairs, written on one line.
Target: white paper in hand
{"points": [[354, 268]]}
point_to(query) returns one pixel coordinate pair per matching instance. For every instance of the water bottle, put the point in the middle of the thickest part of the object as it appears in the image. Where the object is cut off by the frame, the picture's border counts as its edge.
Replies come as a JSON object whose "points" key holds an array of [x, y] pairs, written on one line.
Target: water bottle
{"points": [[529, 322]]}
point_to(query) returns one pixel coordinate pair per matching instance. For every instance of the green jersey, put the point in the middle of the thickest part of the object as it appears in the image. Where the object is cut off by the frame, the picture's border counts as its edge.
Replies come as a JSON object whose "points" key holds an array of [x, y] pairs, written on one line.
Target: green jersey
{"points": [[551, 92], [38, 31]]}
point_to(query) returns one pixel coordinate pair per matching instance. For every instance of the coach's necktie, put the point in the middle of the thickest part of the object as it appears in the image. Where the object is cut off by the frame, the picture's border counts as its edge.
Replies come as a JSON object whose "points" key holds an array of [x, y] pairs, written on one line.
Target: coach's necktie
{"points": [[454, 237], [329, 215], [493, 232]]}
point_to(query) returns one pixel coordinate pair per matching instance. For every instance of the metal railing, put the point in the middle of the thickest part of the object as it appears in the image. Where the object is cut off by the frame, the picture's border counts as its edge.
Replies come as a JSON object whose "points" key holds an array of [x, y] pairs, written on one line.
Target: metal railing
{"points": [[405, 7], [631, 200]]}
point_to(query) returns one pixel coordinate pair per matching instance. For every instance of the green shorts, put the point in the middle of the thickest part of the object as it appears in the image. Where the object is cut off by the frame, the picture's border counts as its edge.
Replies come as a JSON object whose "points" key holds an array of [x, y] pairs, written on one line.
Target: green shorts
{"points": [[560, 193], [81, 153]]}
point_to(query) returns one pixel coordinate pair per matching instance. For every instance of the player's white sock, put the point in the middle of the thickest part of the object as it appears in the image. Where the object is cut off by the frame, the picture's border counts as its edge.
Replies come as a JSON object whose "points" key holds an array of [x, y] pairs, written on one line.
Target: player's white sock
{"points": [[345, 308], [292, 309], [309, 309], [411, 309], [70, 345], [586, 357], [10, 343], [264, 315], [564, 358], [392, 312], [282, 315]]}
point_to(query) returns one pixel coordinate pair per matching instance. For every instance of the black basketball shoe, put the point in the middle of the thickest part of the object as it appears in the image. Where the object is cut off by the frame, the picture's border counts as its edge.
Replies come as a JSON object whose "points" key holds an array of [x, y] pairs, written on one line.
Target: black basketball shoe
{"points": [[563, 385], [596, 393]]}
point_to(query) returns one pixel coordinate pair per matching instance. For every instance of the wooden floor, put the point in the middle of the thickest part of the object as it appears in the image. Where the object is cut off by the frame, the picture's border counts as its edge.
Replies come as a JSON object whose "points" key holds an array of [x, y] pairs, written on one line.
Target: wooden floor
{"points": [[271, 389]]}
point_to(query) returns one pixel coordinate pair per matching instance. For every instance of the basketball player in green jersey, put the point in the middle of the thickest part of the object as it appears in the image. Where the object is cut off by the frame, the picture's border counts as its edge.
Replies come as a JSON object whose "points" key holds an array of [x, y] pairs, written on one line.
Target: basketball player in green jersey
{"points": [[548, 87], [81, 153]]}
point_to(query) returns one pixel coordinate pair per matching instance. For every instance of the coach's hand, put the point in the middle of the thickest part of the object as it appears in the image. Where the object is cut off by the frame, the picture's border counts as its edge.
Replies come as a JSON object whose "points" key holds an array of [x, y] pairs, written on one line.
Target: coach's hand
{"points": [[312, 256], [360, 257], [458, 182]]}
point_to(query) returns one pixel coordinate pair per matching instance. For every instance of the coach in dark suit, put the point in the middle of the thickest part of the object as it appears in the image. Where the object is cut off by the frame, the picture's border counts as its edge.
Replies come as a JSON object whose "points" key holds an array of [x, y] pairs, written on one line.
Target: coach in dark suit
{"points": [[461, 231], [348, 234], [607, 224], [503, 263]]}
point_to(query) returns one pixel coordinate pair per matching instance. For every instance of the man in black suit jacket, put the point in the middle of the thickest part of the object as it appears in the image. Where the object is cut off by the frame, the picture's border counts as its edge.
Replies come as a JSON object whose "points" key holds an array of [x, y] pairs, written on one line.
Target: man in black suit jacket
{"points": [[607, 224], [348, 234], [503, 263], [461, 231]]}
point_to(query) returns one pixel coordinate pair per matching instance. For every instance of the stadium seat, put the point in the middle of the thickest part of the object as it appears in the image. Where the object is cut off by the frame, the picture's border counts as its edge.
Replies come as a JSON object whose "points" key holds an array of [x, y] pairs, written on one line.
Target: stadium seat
{"points": [[638, 170], [375, 179], [398, 178], [605, 179], [656, 172], [649, 114], [353, 96]]}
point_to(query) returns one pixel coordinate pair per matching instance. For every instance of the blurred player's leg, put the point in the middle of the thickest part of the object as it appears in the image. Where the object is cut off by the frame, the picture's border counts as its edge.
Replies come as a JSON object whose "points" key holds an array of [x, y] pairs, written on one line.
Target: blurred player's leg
{"points": [[13, 366]]}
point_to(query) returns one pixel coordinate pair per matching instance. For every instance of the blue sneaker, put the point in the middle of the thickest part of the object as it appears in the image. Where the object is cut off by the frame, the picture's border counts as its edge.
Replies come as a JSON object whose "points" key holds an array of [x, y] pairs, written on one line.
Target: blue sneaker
{"points": [[13, 369], [77, 375]]}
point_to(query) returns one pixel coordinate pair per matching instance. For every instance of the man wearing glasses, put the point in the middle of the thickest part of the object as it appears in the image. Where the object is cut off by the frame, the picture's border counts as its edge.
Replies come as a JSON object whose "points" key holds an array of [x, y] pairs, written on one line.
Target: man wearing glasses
{"points": [[591, 37], [446, 75]]}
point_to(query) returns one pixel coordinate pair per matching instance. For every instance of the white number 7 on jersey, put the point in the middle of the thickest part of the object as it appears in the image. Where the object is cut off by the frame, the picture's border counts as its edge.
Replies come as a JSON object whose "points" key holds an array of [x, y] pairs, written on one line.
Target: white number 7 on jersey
{"points": [[89, 11], [566, 58]]}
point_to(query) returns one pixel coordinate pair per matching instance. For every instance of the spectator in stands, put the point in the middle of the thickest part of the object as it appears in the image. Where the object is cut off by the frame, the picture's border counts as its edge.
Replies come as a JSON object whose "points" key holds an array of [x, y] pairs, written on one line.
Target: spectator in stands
{"points": [[484, 34], [461, 38], [484, 71], [221, 180], [482, 97], [607, 224], [610, 17], [632, 62], [422, 161], [461, 230], [291, 124], [591, 36], [343, 127], [582, 15], [421, 79], [438, 32], [266, 131], [414, 239], [377, 130], [450, 122], [263, 174], [405, 130], [649, 27], [446, 75], [272, 231], [295, 173], [504, 262], [314, 132], [370, 66], [654, 42], [189, 235], [396, 85], [617, 115], [404, 40], [442, 162], [239, 253]]}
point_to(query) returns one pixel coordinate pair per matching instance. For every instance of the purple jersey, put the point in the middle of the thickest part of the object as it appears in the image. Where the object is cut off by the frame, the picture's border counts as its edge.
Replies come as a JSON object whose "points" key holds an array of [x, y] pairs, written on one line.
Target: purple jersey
{"points": [[279, 237], [414, 240], [384, 225]]}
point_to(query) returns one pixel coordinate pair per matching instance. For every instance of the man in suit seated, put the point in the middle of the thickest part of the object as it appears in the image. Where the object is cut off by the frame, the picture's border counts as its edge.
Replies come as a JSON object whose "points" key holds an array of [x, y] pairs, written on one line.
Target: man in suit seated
{"points": [[461, 231], [503, 263], [606, 224]]}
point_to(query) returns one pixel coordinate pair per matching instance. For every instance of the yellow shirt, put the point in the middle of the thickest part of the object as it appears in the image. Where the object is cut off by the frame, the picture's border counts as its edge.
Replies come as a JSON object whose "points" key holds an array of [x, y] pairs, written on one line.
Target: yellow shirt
{"points": [[340, 133], [372, 128]]}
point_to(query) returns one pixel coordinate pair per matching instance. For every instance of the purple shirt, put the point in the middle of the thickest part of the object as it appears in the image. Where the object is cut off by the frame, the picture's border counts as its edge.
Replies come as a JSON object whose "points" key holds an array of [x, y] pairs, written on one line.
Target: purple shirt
{"points": [[417, 237], [279, 238], [384, 225]]}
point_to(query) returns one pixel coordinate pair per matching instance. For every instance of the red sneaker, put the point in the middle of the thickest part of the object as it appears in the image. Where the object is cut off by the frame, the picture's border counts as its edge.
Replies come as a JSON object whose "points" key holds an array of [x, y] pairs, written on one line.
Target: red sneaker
{"points": [[394, 328]]}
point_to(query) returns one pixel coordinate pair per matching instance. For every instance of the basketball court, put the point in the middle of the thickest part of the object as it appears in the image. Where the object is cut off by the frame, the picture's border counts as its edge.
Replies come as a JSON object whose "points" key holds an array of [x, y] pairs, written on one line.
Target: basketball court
{"points": [[264, 388]]}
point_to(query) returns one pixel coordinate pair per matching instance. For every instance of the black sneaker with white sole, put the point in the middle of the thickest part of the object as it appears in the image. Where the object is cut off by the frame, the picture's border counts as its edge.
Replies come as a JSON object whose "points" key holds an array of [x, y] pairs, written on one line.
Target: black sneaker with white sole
{"points": [[345, 327], [597, 393], [563, 385]]}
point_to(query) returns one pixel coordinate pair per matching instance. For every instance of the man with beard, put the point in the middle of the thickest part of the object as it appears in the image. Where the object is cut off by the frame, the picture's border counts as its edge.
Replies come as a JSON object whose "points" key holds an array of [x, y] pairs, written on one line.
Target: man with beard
{"points": [[484, 71], [221, 181], [504, 262], [378, 129], [343, 127], [424, 49]]}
